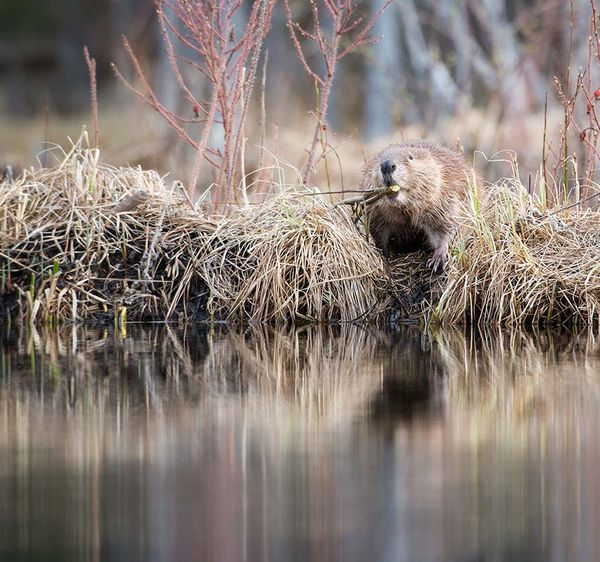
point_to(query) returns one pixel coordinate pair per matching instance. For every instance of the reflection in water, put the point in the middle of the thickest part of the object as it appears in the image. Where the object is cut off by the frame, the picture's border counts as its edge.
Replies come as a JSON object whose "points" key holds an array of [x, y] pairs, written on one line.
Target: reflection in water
{"points": [[306, 444]]}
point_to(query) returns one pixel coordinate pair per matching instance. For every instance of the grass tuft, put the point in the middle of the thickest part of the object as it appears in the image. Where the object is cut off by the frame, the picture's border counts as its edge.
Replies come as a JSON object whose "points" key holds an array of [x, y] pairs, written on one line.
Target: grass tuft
{"points": [[517, 265]]}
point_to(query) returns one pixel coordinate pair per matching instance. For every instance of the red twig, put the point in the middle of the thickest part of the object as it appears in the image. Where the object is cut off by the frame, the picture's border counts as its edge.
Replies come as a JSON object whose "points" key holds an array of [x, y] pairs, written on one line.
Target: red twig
{"points": [[346, 32], [584, 97], [91, 66], [227, 55]]}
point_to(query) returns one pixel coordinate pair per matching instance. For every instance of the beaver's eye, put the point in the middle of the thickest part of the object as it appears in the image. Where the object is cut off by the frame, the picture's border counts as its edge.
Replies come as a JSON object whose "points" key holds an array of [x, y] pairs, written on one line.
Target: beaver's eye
{"points": [[410, 156]]}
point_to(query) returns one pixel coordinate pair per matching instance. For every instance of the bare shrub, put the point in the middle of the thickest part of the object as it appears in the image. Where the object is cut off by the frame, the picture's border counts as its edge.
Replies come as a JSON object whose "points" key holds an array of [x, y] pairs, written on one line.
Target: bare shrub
{"points": [[571, 178], [334, 32], [227, 58]]}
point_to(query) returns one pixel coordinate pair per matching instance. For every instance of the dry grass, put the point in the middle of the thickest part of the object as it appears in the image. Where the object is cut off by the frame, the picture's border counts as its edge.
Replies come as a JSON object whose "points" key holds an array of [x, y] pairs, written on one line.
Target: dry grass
{"points": [[515, 265], [68, 253], [293, 259], [73, 248]]}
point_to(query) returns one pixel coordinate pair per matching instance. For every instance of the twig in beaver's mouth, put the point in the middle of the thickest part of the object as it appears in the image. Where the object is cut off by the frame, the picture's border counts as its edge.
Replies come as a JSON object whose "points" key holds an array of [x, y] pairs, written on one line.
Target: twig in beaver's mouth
{"points": [[370, 195]]}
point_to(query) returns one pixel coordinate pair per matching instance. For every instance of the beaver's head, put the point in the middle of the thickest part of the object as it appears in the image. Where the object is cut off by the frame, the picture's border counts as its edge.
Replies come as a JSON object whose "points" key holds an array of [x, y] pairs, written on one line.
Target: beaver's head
{"points": [[414, 170]]}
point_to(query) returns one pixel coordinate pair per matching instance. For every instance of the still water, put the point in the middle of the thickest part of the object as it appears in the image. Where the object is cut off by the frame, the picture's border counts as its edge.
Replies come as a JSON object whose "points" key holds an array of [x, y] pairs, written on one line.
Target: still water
{"points": [[305, 444]]}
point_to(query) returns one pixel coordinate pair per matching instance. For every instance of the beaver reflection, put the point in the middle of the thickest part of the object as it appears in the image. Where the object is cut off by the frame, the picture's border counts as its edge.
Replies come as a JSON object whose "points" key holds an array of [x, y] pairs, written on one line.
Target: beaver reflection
{"points": [[412, 382]]}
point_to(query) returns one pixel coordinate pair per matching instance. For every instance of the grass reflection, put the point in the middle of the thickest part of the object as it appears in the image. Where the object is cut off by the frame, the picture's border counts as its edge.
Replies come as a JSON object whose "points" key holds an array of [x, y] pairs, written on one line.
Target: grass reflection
{"points": [[334, 443], [324, 376]]}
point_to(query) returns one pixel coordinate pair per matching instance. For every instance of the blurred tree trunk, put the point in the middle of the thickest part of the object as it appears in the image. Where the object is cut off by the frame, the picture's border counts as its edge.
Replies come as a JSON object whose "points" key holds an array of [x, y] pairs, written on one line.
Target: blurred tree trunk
{"points": [[469, 61], [516, 77], [441, 92], [582, 15], [284, 74], [386, 89], [72, 87], [455, 17], [122, 14]]}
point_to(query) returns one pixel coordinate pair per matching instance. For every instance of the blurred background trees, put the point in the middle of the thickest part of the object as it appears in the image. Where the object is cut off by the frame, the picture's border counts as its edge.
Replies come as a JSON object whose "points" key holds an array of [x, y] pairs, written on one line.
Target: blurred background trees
{"points": [[474, 69]]}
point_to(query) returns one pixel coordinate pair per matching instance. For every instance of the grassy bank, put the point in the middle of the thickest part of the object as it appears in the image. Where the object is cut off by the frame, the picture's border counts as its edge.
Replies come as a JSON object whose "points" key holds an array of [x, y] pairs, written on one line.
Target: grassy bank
{"points": [[86, 241]]}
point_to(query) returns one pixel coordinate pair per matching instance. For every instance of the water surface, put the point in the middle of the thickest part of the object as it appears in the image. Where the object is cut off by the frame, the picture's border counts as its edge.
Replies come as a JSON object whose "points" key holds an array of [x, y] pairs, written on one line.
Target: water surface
{"points": [[304, 444]]}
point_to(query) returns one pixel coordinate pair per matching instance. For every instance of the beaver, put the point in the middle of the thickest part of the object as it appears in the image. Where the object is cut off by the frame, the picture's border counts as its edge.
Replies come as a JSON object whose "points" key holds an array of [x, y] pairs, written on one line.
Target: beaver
{"points": [[432, 184]]}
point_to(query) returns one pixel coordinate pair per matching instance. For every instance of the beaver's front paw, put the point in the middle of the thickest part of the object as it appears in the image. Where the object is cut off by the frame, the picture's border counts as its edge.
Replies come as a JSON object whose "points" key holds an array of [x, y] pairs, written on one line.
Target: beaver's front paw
{"points": [[437, 263]]}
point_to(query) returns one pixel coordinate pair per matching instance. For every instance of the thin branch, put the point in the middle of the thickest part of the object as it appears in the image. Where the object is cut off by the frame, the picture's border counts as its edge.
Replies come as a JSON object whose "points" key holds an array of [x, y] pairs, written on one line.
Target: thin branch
{"points": [[91, 66]]}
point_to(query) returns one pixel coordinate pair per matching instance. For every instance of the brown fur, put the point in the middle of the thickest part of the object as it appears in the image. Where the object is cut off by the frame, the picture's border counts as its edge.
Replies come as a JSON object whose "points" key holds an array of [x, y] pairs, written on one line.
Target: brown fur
{"points": [[434, 185]]}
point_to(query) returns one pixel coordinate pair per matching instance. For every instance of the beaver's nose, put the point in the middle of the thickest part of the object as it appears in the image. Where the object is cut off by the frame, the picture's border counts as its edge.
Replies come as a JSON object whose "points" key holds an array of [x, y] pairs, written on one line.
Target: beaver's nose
{"points": [[387, 167]]}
